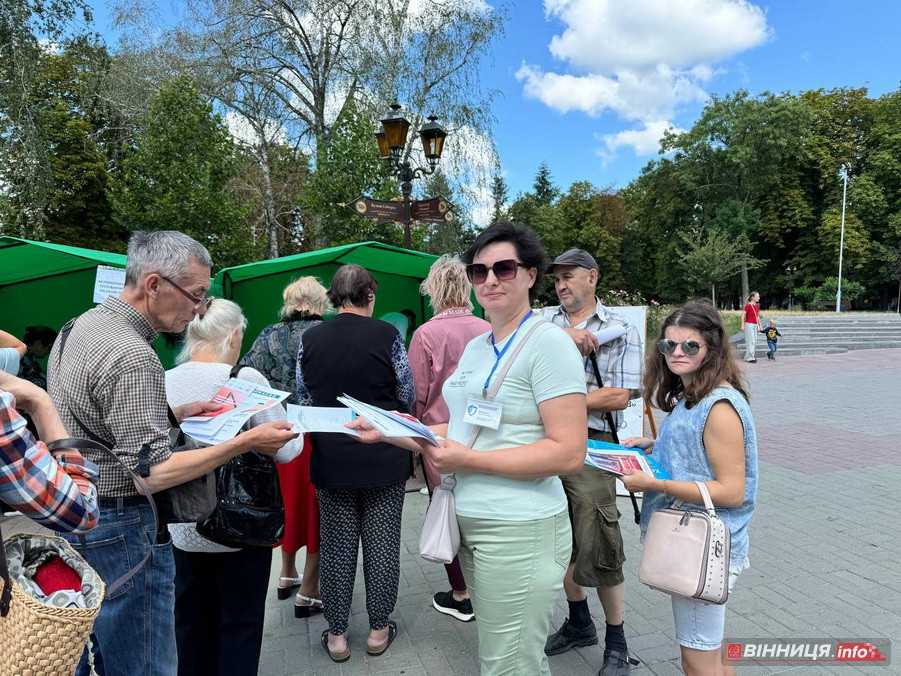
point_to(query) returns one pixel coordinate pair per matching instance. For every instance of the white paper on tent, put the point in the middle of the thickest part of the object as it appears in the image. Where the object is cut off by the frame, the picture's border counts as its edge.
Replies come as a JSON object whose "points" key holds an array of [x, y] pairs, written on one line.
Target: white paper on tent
{"points": [[321, 419], [389, 423], [108, 282], [240, 400]]}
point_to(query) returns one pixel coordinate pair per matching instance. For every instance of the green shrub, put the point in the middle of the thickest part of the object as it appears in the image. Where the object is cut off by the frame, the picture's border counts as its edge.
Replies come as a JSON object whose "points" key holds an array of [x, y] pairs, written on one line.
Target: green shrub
{"points": [[824, 299], [805, 294]]}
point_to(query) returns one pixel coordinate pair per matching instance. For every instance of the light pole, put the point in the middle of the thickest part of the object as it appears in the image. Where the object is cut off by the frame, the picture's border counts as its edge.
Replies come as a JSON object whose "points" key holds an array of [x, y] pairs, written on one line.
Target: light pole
{"points": [[392, 140], [843, 172]]}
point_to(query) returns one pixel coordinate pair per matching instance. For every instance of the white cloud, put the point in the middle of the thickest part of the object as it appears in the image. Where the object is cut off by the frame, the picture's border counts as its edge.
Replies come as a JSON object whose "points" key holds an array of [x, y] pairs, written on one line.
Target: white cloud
{"points": [[607, 35], [640, 60], [630, 94], [243, 132], [644, 141]]}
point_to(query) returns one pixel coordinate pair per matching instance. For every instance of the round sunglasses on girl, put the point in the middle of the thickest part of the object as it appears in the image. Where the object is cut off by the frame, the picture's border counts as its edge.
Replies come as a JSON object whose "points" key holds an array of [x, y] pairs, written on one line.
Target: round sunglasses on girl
{"points": [[689, 347]]}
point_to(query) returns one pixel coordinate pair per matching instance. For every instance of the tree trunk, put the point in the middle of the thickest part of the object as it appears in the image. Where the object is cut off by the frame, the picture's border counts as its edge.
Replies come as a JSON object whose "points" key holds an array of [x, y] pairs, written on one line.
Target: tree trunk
{"points": [[713, 294], [745, 286], [269, 217]]}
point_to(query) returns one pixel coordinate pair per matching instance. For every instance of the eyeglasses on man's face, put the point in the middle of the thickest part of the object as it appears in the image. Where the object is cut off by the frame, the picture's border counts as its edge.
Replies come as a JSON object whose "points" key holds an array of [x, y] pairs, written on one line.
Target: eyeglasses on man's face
{"points": [[504, 270], [201, 303]]}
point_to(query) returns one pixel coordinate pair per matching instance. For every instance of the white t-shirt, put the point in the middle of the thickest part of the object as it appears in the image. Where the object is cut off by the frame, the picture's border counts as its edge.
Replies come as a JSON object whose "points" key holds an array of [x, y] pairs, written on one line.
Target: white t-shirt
{"points": [[199, 381], [548, 366]]}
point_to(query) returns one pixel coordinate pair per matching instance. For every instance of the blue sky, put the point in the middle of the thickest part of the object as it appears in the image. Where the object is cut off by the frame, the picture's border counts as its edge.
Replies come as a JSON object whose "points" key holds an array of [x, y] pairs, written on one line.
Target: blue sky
{"points": [[587, 85], [809, 44]]}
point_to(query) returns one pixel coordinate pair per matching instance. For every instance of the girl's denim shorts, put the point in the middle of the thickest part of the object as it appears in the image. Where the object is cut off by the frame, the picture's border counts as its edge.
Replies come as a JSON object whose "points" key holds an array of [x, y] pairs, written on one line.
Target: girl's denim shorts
{"points": [[700, 625]]}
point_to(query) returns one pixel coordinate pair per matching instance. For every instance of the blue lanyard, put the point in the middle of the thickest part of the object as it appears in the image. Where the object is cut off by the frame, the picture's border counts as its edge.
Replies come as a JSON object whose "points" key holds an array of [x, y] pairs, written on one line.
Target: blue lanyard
{"points": [[499, 354]]}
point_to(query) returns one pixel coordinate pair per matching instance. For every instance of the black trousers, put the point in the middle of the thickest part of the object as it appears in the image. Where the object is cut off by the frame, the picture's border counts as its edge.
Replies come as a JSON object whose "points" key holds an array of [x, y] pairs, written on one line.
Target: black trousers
{"points": [[347, 516], [220, 602]]}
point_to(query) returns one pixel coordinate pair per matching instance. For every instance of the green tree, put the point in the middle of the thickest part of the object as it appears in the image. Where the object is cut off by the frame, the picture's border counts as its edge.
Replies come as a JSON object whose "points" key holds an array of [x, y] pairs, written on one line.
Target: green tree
{"points": [[544, 189], [25, 151], [72, 205], [499, 196], [452, 236], [712, 256], [345, 169], [179, 174]]}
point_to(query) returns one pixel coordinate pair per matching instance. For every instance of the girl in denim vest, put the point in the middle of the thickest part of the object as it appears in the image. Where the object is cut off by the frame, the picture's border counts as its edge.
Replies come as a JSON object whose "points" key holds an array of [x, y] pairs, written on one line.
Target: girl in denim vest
{"points": [[708, 436]]}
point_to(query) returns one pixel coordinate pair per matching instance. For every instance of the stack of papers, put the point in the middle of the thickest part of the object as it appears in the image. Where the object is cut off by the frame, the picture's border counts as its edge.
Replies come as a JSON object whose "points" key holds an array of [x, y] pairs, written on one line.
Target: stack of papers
{"points": [[239, 401], [390, 423], [321, 419], [619, 460]]}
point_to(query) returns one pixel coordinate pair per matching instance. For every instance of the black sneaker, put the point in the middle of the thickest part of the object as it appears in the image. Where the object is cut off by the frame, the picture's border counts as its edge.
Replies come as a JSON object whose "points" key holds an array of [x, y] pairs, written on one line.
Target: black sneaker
{"points": [[617, 663], [444, 602], [570, 636]]}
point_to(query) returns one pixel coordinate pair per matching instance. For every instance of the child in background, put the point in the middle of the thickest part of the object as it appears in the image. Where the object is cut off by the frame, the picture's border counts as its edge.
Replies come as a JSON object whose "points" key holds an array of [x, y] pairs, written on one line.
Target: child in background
{"points": [[772, 336]]}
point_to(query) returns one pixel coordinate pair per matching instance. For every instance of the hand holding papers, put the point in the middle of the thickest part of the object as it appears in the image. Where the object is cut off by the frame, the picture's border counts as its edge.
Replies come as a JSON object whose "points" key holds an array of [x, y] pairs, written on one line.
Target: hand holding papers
{"points": [[321, 419], [389, 423], [620, 460], [239, 401]]}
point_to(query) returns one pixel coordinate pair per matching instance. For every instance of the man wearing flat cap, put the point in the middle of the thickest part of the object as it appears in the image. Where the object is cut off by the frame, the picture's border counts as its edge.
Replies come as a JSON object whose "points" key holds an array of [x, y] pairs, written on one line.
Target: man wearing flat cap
{"points": [[597, 557]]}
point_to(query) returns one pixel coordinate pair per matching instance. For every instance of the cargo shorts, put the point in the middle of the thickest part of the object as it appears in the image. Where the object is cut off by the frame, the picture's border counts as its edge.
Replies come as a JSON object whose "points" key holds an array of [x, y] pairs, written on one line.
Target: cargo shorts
{"points": [[598, 552]]}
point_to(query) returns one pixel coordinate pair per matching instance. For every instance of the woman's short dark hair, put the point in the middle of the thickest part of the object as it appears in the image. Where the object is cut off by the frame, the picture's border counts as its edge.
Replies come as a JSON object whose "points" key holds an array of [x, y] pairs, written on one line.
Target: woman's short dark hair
{"points": [[529, 247], [664, 388], [352, 285]]}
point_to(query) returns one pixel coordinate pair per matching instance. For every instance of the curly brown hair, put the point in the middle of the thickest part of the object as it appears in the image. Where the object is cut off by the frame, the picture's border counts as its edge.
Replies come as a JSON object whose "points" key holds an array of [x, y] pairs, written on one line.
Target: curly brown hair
{"points": [[665, 389]]}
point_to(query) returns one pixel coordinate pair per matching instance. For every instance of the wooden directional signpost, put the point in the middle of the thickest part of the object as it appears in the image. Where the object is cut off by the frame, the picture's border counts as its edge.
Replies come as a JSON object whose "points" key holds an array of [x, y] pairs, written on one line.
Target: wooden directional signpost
{"points": [[406, 212], [392, 143]]}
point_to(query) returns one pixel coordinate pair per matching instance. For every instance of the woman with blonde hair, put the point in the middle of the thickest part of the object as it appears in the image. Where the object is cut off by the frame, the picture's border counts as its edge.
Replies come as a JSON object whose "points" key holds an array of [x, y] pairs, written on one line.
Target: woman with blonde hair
{"points": [[220, 592], [434, 352], [274, 354]]}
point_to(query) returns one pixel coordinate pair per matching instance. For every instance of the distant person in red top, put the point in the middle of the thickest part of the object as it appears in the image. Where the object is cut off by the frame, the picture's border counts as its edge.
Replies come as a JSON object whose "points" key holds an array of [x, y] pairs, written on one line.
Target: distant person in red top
{"points": [[751, 324], [434, 352]]}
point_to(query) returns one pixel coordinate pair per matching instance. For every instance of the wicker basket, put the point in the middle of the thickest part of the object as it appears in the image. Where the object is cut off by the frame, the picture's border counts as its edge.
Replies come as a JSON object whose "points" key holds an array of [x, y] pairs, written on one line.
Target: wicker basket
{"points": [[41, 640]]}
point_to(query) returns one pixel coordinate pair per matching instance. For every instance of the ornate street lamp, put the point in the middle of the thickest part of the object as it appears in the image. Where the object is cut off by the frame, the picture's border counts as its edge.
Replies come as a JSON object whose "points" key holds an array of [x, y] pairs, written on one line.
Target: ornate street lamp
{"points": [[392, 140]]}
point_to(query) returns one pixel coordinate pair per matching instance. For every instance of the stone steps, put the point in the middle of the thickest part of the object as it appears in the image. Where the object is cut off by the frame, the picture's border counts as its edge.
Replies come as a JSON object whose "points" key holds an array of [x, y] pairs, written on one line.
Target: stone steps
{"points": [[829, 334]]}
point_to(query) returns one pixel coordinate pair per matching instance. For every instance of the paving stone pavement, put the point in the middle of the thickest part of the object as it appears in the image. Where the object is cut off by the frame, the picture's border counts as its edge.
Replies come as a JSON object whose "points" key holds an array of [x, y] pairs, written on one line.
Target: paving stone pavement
{"points": [[825, 546]]}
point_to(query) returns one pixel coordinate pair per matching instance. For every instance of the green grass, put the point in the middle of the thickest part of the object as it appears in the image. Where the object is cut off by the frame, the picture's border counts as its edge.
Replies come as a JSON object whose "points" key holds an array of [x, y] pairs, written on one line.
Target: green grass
{"points": [[656, 315]]}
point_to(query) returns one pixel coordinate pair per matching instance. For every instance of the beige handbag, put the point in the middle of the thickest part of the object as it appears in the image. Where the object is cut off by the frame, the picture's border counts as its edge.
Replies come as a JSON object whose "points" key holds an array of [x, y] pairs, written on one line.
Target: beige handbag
{"points": [[439, 540], [686, 553]]}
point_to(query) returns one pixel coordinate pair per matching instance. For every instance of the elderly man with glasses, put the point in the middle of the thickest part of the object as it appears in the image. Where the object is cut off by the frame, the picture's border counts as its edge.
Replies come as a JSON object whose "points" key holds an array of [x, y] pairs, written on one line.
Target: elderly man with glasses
{"points": [[109, 385]]}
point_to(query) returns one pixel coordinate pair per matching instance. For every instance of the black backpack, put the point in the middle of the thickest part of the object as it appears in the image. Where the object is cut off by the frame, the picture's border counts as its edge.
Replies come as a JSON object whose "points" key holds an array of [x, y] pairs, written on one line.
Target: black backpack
{"points": [[250, 511]]}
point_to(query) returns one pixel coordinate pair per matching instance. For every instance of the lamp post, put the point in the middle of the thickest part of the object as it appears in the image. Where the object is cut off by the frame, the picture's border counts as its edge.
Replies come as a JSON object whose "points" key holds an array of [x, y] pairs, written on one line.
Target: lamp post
{"points": [[843, 173], [392, 140]]}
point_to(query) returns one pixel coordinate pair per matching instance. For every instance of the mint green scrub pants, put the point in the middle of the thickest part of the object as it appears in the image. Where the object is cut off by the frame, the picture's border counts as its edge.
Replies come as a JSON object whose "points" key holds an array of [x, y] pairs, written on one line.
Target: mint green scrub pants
{"points": [[515, 574]]}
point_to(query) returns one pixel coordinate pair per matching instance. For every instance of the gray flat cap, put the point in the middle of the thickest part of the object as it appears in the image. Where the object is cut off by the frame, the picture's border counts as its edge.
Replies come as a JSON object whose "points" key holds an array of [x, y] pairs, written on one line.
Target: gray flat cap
{"points": [[576, 257]]}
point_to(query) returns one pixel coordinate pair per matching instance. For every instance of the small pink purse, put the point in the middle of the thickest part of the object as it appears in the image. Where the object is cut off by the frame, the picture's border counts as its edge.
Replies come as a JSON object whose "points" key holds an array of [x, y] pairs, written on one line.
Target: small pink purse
{"points": [[686, 553]]}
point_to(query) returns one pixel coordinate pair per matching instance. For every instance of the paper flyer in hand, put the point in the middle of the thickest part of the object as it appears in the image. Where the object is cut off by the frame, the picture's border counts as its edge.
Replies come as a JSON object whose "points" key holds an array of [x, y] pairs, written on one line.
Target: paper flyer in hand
{"points": [[390, 423], [620, 460], [239, 401], [321, 419]]}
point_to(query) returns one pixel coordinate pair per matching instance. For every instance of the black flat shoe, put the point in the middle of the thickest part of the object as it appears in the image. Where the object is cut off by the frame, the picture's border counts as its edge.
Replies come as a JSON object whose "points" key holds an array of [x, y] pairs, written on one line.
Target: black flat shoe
{"points": [[392, 633], [335, 657]]}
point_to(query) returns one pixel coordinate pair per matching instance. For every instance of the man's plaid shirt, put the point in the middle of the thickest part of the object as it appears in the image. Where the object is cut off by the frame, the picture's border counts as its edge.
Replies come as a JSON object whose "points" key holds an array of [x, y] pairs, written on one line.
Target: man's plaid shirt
{"points": [[55, 490], [619, 361], [110, 385]]}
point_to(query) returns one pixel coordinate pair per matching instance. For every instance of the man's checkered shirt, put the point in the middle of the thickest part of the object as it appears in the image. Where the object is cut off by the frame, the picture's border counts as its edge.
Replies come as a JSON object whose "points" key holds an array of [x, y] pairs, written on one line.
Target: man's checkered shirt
{"points": [[619, 361], [111, 381]]}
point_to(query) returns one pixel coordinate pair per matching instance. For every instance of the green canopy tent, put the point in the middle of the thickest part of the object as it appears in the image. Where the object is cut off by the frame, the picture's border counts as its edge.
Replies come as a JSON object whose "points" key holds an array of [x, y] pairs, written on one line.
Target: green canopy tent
{"points": [[47, 284], [257, 287]]}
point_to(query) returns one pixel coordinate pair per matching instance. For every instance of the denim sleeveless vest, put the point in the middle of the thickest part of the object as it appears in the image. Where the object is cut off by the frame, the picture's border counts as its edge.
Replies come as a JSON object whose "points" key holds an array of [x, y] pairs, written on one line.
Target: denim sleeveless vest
{"points": [[680, 450]]}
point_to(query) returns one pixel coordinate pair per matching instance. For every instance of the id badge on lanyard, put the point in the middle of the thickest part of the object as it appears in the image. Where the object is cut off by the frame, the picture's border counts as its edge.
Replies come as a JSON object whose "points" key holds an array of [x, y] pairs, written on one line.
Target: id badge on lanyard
{"points": [[480, 410]]}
